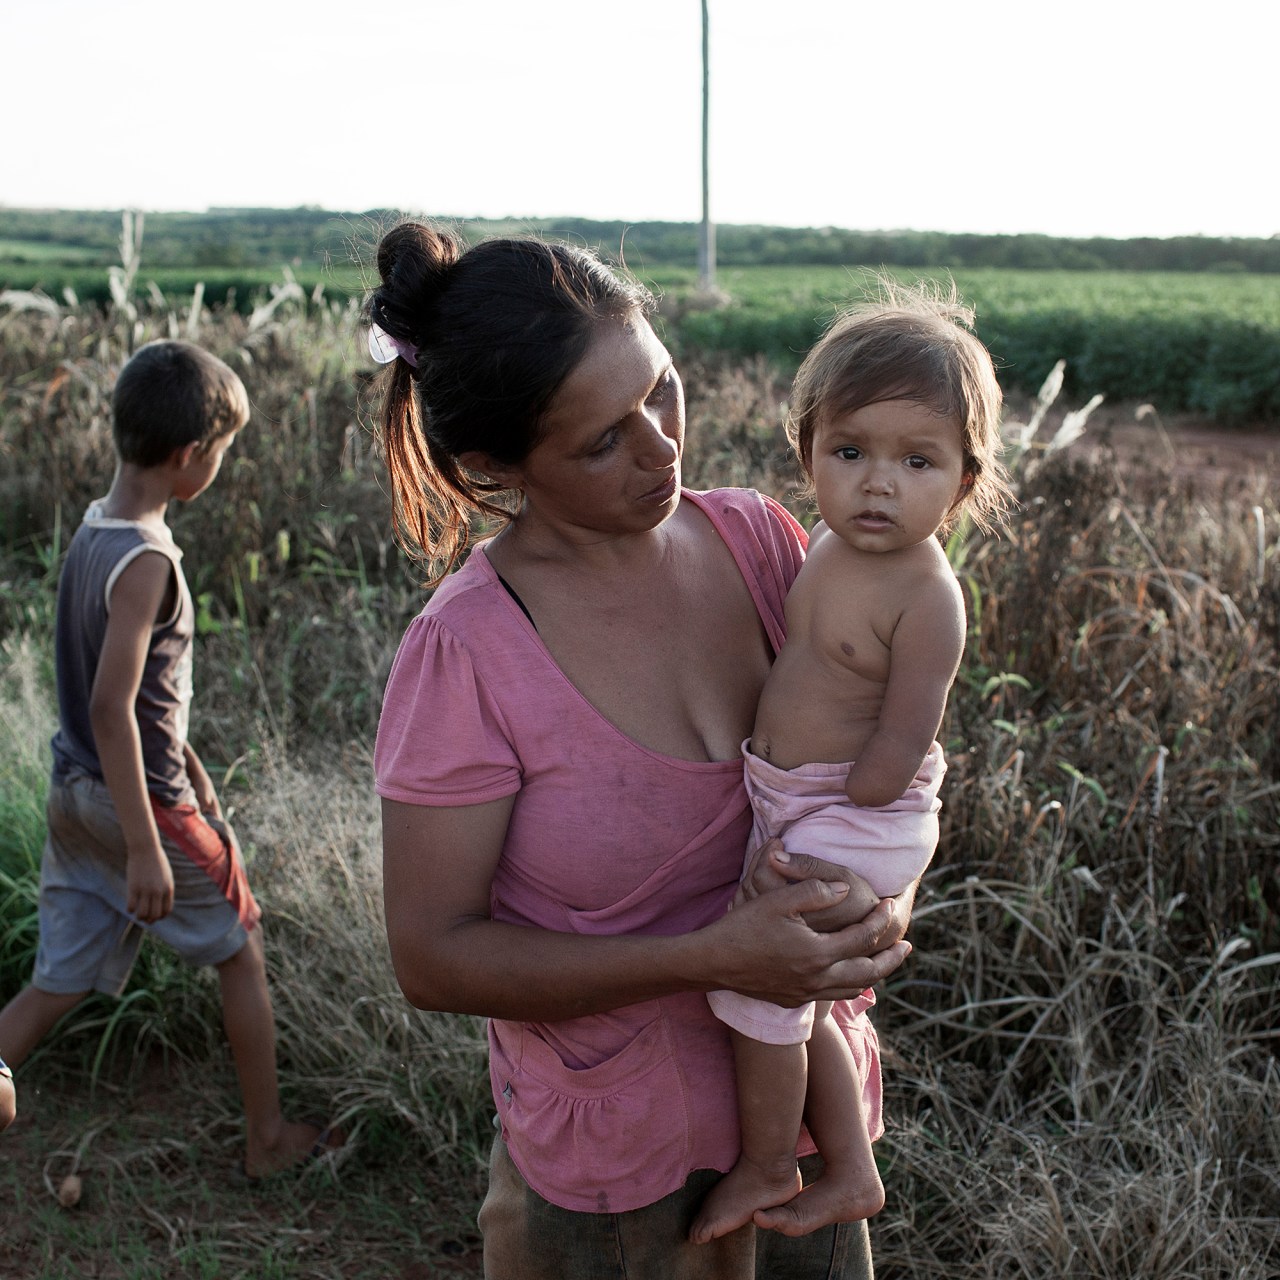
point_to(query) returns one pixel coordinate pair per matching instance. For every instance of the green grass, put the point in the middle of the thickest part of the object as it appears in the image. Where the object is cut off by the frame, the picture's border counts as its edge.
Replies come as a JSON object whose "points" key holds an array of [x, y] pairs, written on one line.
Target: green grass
{"points": [[25, 726], [37, 251]]}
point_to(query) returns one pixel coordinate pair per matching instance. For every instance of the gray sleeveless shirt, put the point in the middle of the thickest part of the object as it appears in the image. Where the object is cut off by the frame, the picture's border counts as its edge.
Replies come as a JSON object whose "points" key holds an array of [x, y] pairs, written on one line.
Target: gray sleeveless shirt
{"points": [[100, 551]]}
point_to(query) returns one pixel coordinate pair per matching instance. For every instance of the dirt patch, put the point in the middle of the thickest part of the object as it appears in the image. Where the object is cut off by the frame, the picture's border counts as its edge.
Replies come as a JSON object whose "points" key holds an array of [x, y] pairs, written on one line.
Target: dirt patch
{"points": [[162, 1197], [1182, 446]]}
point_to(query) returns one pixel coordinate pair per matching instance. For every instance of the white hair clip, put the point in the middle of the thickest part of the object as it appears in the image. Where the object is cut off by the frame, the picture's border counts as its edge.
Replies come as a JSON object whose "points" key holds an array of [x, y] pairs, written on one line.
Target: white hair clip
{"points": [[384, 348]]}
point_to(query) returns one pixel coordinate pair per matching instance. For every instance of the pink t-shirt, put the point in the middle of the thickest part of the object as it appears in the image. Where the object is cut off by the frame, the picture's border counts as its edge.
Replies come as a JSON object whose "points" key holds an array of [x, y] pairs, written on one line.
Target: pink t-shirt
{"points": [[613, 1111]]}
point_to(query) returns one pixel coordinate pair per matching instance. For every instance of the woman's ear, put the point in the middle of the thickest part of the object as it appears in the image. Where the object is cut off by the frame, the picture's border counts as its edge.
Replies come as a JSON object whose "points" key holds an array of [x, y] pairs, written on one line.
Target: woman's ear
{"points": [[483, 465]]}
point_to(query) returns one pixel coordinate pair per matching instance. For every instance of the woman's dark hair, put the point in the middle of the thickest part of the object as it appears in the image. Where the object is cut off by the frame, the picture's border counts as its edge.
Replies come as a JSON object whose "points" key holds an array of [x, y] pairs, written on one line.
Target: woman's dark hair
{"points": [[486, 336]]}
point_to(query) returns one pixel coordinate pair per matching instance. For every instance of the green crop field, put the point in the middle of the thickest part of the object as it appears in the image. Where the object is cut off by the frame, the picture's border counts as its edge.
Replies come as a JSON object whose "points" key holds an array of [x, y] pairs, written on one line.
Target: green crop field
{"points": [[1201, 343], [1190, 341], [37, 251]]}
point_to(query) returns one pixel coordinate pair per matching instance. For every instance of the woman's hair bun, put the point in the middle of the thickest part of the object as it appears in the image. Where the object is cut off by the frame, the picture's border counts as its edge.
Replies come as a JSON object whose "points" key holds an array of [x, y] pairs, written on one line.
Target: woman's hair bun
{"points": [[413, 262]]}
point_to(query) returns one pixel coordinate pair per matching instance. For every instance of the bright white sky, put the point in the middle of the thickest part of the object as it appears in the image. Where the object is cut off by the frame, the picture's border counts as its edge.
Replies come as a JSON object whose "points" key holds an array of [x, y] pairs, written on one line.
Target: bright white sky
{"points": [[1095, 117]]}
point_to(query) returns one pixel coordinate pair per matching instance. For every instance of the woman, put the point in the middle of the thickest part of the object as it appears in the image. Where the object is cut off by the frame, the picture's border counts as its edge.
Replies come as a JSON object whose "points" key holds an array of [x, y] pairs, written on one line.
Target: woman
{"points": [[558, 757]]}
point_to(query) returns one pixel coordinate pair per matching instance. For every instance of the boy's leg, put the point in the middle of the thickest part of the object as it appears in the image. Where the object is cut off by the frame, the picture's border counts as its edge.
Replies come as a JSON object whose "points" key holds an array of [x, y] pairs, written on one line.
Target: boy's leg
{"points": [[849, 1188], [273, 1143], [28, 1018], [8, 1099], [771, 1093]]}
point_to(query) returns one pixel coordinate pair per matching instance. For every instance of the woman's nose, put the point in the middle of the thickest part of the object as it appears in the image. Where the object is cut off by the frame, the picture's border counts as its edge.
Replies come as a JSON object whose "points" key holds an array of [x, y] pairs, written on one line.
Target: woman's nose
{"points": [[658, 448]]}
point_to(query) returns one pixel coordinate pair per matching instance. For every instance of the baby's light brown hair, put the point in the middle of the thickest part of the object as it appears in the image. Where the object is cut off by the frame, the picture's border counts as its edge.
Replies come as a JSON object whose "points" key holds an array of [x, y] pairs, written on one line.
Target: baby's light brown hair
{"points": [[909, 344]]}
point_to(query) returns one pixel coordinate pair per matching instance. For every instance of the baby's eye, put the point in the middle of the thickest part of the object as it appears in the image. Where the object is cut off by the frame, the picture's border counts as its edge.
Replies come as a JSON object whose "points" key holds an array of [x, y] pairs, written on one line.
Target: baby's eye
{"points": [[917, 462], [850, 453]]}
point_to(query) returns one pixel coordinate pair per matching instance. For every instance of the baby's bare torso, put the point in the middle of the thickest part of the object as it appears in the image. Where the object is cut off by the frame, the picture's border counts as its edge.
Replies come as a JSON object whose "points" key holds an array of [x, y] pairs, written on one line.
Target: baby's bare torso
{"points": [[823, 698]]}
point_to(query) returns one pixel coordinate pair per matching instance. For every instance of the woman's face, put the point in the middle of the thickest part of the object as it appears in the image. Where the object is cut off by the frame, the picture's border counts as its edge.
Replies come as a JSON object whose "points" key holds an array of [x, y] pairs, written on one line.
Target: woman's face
{"points": [[608, 460]]}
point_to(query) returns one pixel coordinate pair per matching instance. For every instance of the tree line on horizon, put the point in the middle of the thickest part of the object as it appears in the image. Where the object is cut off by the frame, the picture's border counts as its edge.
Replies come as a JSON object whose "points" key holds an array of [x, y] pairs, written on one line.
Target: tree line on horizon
{"points": [[227, 237]]}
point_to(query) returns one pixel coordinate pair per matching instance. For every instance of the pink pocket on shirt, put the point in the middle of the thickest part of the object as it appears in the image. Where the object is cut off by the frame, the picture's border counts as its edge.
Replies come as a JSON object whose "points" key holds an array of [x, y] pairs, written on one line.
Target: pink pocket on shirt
{"points": [[596, 1139]]}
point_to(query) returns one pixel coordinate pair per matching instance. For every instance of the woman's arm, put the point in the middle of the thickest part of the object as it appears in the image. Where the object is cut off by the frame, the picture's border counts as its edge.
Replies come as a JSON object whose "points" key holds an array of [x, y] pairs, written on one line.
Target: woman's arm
{"points": [[448, 954]]}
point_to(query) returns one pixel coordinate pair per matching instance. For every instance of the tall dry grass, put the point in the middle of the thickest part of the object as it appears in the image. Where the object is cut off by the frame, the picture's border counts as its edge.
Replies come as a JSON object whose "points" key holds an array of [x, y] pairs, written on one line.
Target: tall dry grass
{"points": [[1081, 1055]]}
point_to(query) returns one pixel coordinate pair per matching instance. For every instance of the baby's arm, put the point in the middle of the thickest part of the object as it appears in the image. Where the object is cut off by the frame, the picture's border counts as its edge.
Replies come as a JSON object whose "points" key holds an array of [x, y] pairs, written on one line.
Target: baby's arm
{"points": [[924, 657], [136, 600]]}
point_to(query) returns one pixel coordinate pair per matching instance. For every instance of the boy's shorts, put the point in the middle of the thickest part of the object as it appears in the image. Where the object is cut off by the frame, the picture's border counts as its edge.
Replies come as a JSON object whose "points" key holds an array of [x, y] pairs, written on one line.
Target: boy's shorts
{"points": [[88, 941]]}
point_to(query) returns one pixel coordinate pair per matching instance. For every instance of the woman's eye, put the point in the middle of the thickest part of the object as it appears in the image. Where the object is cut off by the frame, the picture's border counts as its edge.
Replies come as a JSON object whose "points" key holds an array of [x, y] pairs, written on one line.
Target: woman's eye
{"points": [[663, 388], [605, 445]]}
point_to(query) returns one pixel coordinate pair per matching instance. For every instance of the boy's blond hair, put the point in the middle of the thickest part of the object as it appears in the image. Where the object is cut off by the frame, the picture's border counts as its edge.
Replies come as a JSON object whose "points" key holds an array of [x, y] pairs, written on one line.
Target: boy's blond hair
{"points": [[909, 344]]}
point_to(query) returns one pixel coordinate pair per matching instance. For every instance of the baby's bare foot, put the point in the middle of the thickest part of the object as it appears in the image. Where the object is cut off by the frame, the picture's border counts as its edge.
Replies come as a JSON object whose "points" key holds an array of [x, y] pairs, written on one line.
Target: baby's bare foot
{"points": [[743, 1190], [296, 1143], [832, 1198]]}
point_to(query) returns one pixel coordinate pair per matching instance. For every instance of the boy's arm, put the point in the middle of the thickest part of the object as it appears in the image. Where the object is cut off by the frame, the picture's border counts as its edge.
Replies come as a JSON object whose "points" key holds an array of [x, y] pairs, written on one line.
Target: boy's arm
{"points": [[136, 601], [201, 784], [927, 645]]}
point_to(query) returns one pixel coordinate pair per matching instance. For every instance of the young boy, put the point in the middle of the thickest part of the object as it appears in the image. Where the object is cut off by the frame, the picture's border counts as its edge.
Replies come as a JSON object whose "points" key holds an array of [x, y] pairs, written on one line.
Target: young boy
{"points": [[895, 419], [136, 839]]}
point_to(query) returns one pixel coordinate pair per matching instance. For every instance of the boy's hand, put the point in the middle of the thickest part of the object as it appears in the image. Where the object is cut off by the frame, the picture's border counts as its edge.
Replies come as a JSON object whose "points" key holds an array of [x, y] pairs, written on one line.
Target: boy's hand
{"points": [[149, 887], [206, 796]]}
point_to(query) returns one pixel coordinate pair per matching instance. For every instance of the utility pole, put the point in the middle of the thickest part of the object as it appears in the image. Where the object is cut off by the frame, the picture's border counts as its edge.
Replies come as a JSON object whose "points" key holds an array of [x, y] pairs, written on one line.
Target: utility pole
{"points": [[707, 236]]}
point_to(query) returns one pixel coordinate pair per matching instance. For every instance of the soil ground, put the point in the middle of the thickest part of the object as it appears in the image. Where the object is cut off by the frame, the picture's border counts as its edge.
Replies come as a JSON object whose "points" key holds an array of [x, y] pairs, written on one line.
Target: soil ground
{"points": [[1185, 445], [163, 1197]]}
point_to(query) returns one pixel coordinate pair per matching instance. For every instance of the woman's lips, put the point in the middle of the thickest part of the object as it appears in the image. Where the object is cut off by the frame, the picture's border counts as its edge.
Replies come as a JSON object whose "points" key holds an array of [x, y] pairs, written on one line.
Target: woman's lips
{"points": [[663, 492]]}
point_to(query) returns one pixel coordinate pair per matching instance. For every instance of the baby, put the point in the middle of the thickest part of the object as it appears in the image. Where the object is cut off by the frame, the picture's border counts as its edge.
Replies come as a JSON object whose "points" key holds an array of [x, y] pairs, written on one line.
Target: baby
{"points": [[895, 418]]}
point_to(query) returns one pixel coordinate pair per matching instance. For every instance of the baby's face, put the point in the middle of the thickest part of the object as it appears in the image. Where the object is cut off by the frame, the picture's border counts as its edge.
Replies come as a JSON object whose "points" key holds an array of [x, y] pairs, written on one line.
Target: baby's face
{"points": [[887, 475]]}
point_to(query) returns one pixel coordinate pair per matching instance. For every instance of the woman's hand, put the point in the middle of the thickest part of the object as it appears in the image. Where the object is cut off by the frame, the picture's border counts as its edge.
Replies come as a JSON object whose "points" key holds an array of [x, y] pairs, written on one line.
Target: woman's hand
{"points": [[766, 948], [773, 868]]}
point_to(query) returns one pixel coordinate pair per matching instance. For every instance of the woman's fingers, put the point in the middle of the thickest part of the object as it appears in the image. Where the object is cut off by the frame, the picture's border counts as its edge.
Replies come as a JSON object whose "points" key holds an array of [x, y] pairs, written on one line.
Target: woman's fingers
{"points": [[875, 931], [762, 875], [784, 961], [857, 903], [851, 977]]}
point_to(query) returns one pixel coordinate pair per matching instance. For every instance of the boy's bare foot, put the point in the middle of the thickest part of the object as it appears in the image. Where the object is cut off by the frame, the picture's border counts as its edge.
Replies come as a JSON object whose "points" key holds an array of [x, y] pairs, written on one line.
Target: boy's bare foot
{"points": [[832, 1198], [743, 1190], [296, 1143]]}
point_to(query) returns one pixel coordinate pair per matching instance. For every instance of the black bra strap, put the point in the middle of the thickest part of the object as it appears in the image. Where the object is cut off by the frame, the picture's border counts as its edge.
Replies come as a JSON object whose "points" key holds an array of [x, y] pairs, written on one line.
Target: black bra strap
{"points": [[511, 592]]}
